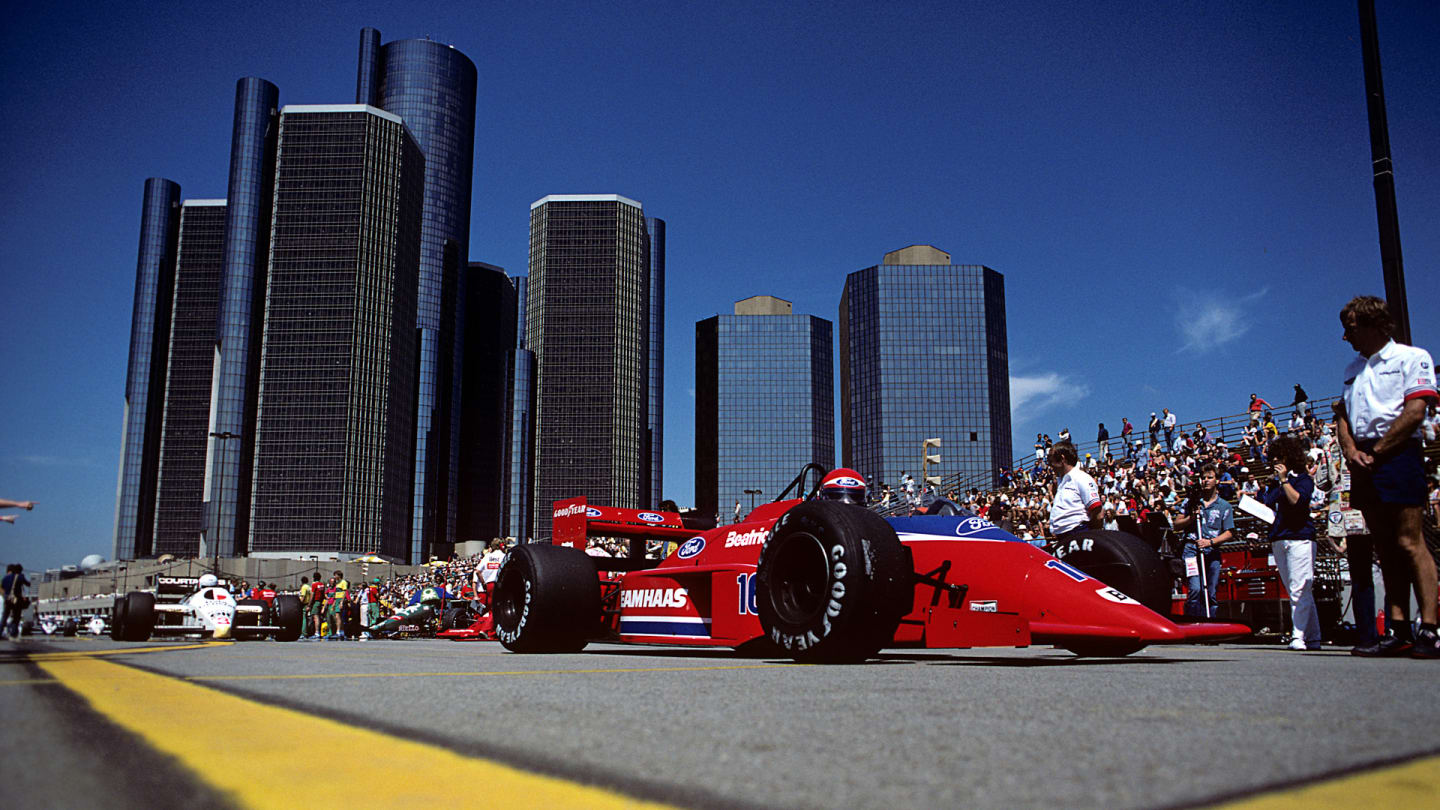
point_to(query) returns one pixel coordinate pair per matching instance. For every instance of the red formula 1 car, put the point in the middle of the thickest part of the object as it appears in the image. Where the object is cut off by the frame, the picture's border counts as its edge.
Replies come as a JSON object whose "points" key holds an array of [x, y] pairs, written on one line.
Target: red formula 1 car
{"points": [[824, 581]]}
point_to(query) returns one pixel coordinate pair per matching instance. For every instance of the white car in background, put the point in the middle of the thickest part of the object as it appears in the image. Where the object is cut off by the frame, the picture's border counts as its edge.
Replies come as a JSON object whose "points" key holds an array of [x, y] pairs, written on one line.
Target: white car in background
{"points": [[202, 606]]}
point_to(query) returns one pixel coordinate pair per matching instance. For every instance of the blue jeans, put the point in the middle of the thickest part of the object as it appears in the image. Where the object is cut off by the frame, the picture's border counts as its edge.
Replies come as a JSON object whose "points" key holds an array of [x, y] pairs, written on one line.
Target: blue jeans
{"points": [[1359, 552], [1194, 604]]}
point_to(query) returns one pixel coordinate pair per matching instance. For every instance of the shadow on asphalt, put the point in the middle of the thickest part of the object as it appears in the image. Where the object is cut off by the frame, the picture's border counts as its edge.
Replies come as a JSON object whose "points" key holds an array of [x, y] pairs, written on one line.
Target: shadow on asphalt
{"points": [[1039, 659]]}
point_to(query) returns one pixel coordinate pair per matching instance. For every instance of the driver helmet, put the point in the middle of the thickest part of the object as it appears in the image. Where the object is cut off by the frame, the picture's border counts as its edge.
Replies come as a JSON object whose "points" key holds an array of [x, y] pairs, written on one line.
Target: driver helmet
{"points": [[209, 580], [843, 484]]}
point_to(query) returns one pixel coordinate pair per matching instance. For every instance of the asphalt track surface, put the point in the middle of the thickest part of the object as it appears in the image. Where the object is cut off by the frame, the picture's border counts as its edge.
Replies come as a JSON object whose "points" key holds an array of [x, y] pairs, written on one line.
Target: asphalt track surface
{"points": [[175, 723]]}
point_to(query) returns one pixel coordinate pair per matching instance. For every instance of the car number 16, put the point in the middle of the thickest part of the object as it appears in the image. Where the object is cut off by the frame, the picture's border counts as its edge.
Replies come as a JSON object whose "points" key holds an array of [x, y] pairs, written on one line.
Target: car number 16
{"points": [[746, 585]]}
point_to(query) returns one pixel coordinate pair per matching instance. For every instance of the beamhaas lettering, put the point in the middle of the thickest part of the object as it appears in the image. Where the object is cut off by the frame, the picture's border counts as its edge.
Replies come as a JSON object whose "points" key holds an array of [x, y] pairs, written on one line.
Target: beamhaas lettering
{"points": [[654, 597], [754, 537]]}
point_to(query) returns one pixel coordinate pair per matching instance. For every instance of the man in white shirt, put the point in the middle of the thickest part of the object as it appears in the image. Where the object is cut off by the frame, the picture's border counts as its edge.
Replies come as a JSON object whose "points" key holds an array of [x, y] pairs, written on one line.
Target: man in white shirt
{"points": [[1169, 423], [1076, 502], [1378, 420], [489, 567]]}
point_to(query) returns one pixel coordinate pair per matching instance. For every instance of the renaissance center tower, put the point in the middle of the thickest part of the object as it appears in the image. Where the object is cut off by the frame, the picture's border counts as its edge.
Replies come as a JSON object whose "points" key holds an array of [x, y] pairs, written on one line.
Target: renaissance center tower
{"points": [[431, 86]]}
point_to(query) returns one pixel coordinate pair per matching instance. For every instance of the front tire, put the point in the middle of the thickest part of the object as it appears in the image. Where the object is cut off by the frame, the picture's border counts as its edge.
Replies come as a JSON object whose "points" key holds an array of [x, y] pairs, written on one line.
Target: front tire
{"points": [[833, 581], [1122, 561], [547, 599]]}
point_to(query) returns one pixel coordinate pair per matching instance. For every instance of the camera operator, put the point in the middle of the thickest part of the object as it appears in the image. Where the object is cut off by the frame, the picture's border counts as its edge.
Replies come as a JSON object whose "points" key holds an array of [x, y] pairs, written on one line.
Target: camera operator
{"points": [[1217, 525]]}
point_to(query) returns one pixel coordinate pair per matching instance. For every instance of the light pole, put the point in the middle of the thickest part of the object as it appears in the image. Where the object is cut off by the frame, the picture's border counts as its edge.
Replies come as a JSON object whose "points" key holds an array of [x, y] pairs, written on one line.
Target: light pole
{"points": [[752, 493], [224, 438]]}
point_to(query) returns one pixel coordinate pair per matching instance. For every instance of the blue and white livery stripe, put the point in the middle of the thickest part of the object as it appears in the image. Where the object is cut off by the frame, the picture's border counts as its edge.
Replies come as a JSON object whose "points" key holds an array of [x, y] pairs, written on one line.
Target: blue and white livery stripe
{"points": [[950, 527], [676, 626]]}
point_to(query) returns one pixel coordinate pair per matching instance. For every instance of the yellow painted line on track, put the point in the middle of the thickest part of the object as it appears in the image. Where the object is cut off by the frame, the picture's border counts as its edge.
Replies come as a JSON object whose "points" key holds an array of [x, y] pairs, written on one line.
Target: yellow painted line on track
{"points": [[21, 657], [1409, 784], [258, 773], [335, 675]]}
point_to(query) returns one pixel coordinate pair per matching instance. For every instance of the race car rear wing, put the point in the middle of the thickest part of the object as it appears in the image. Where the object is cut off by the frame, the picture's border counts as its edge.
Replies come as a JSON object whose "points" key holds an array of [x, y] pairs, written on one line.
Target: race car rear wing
{"points": [[575, 521], [177, 588]]}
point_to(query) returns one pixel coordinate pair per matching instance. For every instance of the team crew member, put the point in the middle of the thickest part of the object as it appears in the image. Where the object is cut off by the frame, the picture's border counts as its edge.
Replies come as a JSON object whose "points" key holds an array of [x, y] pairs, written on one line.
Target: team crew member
{"points": [[306, 595], [1292, 538], [1075, 503], [339, 590], [489, 568], [318, 596], [1217, 525], [1379, 420], [371, 602]]}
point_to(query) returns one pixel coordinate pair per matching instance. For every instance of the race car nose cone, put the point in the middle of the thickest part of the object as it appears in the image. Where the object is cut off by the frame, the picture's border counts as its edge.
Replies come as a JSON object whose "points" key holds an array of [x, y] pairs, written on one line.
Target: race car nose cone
{"points": [[222, 631]]}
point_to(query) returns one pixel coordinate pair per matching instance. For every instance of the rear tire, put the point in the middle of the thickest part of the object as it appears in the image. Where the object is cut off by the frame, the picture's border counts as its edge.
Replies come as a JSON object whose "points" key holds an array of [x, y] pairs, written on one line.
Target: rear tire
{"points": [[547, 599], [833, 581], [1122, 561], [457, 617], [250, 619], [139, 616], [288, 615]]}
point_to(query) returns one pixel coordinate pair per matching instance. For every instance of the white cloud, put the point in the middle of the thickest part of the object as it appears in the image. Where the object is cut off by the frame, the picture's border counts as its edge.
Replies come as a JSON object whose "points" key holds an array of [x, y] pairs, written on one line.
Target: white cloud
{"points": [[1209, 320], [1040, 392]]}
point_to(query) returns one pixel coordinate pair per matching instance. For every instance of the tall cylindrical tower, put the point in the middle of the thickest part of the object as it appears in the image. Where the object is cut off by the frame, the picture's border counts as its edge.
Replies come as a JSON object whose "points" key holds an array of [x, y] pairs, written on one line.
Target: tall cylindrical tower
{"points": [[431, 86], [145, 376], [238, 325]]}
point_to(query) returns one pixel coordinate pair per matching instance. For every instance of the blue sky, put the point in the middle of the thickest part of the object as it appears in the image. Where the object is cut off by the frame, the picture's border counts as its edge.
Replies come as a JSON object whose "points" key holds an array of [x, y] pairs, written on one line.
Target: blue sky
{"points": [[1178, 194]]}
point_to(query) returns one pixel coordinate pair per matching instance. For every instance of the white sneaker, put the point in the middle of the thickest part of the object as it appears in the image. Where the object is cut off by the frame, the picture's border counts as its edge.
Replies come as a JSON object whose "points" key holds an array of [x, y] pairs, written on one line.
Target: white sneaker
{"points": [[1297, 644]]}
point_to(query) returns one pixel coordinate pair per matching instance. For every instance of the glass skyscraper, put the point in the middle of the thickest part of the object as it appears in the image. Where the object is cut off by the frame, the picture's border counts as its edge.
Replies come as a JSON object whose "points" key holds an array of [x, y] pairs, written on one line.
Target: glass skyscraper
{"points": [[335, 414], [145, 374], [923, 354], [242, 300], [655, 430], [764, 402], [520, 433], [431, 86], [179, 508], [588, 322], [489, 340]]}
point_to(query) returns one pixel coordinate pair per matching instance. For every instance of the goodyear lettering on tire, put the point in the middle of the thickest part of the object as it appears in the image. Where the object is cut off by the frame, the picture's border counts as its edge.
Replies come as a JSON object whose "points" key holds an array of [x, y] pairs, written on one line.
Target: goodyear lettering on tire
{"points": [[838, 571]]}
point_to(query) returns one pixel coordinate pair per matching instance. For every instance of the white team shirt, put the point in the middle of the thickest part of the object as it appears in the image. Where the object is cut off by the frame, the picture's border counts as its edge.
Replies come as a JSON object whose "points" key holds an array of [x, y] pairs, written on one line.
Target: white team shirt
{"points": [[1074, 495], [1377, 387], [490, 565]]}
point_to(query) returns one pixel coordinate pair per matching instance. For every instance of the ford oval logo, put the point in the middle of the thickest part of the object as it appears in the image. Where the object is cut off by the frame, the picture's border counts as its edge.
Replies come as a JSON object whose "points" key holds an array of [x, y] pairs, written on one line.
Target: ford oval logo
{"points": [[843, 481], [690, 548], [973, 525], [651, 517], [591, 511]]}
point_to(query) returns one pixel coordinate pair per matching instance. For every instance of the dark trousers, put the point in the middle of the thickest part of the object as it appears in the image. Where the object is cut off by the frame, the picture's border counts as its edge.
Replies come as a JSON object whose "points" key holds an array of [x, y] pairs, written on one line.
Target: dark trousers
{"points": [[1360, 552]]}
